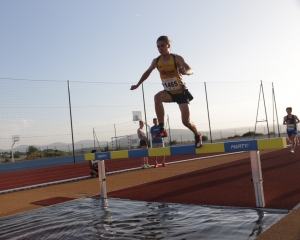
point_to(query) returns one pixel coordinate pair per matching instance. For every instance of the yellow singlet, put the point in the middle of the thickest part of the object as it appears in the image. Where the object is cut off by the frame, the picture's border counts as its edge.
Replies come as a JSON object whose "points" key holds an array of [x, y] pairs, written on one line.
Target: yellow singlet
{"points": [[171, 79]]}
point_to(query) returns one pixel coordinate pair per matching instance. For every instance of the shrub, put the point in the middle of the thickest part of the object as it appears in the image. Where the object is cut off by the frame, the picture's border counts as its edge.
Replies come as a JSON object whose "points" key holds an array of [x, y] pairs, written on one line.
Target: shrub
{"points": [[55, 154], [106, 149], [33, 155], [251, 134], [248, 134], [204, 138], [32, 149], [174, 142], [235, 136]]}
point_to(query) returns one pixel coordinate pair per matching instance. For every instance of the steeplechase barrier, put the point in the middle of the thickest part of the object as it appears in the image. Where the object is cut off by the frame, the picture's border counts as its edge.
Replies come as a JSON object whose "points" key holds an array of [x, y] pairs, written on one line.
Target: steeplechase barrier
{"points": [[252, 146]]}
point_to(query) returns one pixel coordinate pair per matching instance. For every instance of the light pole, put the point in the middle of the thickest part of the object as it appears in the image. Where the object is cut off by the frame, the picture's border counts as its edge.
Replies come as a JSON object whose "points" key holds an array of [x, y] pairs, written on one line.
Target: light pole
{"points": [[169, 129], [12, 152], [116, 136], [15, 138]]}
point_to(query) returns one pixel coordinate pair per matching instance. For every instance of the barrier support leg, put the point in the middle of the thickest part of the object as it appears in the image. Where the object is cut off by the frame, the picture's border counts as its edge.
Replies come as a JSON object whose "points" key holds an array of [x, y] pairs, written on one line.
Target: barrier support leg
{"points": [[257, 178], [102, 178]]}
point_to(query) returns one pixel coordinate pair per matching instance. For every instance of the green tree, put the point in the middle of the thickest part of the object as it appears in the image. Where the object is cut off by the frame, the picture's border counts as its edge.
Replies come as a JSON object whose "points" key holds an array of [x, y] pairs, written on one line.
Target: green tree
{"points": [[251, 134], [174, 142], [106, 149], [204, 138], [235, 136], [32, 149]]}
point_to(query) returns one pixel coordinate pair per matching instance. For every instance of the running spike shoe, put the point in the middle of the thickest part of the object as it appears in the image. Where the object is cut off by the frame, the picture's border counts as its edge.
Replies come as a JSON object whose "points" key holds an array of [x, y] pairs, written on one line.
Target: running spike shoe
{"points": [[162, 134], [198, 140]]}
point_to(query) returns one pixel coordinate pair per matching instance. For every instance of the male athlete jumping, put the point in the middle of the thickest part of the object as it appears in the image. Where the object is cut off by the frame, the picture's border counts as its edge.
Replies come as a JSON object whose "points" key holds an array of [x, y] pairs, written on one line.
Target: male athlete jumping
{"points": [[171, 67]]}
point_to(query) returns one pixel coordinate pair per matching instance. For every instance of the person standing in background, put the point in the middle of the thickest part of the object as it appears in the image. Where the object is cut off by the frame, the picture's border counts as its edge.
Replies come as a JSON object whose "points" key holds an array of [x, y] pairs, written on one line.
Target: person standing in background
{"points": [[157, 142], [143, 143]]}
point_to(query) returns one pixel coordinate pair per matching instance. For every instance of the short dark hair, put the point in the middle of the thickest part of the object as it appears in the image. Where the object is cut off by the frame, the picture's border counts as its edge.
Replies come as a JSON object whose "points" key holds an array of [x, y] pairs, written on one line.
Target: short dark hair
{"points": [[289, 108], [166, 39], [154, 119]]}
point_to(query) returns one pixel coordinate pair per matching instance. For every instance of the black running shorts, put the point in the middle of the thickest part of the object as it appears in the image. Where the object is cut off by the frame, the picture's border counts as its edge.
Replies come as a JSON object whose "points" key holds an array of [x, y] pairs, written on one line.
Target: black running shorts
{"points": [[184, 97], [143, 143]]}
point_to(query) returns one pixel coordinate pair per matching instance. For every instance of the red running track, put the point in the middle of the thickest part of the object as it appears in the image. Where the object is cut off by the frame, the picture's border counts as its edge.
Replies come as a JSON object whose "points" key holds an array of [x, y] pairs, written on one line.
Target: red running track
{"points": [[227, 184], [31, 177]]}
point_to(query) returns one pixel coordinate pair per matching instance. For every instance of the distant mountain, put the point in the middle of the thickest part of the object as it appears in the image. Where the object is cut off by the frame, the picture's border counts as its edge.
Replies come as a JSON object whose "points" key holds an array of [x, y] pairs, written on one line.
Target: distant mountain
{"points": [[84, 144], [179, 135]]}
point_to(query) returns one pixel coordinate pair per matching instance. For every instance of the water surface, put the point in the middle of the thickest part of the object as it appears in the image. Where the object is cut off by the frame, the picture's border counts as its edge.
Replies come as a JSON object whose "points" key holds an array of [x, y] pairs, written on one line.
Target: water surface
{"points": [[92, 218]]}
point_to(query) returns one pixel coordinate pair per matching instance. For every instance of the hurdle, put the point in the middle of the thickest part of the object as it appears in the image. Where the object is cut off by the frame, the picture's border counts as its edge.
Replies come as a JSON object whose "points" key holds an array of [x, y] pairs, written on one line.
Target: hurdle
{"points": [[252, 146]]}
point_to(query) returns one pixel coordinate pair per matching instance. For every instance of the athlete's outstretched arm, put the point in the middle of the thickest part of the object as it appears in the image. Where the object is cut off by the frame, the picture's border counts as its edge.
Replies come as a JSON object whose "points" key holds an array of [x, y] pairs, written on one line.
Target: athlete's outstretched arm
{"points": [[145, 75], [183, 67]]}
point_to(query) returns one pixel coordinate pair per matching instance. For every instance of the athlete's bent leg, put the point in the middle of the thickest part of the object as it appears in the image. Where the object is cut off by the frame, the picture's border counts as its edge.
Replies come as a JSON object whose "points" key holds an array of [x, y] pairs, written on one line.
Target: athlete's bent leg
{"points": [[185, 117], [293, 143], [159, 98]]}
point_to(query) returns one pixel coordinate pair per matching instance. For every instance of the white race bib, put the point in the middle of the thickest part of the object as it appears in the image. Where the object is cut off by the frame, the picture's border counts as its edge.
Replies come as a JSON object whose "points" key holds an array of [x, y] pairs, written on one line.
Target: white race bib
{"points": [[171, 84], [290, 127]]}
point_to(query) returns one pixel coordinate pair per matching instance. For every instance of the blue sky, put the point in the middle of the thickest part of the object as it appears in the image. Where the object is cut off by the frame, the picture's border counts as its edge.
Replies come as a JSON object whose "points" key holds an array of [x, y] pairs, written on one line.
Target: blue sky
{"points": [[115, 42]]}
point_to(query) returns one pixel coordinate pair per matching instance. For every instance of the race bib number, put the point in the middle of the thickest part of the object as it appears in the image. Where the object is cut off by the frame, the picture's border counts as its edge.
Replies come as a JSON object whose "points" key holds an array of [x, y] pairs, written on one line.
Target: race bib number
{"points": [[171, 84], [290, 127]]}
